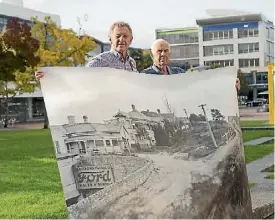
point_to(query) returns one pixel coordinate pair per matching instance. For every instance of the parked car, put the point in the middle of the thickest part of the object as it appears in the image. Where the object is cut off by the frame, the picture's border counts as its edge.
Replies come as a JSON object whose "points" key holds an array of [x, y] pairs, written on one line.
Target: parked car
{"points": [[256, 102]]}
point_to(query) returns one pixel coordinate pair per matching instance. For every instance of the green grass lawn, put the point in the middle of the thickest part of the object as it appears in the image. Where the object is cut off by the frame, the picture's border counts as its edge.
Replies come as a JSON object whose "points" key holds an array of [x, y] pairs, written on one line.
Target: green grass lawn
{"points": [[251, 185], [251, 135], [270, 176], [255, 123], [269, 169], [255, 152], [30, 184]]}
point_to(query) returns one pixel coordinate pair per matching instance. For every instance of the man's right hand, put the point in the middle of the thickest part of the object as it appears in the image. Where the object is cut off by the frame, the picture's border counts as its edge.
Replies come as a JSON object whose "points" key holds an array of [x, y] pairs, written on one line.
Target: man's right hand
{"points": [[39, 75]]}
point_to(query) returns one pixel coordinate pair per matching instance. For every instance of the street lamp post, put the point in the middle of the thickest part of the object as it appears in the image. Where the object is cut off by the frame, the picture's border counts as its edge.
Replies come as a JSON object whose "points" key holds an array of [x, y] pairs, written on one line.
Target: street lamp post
{"points": [[208, 124]]}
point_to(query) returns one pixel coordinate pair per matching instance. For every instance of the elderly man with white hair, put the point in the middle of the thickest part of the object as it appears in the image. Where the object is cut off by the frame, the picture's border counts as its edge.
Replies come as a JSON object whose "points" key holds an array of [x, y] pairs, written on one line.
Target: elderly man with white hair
{"points": [[161, 57]]}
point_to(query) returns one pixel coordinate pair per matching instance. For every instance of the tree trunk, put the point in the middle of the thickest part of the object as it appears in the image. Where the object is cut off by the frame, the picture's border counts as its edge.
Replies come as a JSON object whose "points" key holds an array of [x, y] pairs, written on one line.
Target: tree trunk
{"points": [[46, 120], [6, 105]]}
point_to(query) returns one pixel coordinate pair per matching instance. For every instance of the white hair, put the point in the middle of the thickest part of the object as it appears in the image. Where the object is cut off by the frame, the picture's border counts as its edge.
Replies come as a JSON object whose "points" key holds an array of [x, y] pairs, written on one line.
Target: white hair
{"points": [[157, 41]]}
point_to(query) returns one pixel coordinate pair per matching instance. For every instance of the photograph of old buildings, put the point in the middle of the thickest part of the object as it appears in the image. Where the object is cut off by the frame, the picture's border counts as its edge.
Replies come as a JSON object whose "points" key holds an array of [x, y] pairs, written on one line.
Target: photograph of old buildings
{"points": [[143, 147], [120, 142]]}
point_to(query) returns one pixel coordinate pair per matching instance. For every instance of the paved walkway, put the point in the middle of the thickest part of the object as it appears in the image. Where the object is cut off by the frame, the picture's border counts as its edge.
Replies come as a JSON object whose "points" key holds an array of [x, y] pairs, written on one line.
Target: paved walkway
{"points": [[263, 192], [259, 141], [25, 126]]}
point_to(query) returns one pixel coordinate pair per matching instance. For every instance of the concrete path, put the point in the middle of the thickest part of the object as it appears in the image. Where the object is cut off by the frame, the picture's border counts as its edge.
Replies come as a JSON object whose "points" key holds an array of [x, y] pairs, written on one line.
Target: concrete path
{"points": [[24, 126], [259, 141], [263, 192]]}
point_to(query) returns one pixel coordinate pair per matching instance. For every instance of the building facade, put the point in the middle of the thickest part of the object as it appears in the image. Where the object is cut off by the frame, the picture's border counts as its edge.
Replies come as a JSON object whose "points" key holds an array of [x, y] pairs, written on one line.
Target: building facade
{"points": [[100, 47], [184, 43], [15, 9], [243, 41]]}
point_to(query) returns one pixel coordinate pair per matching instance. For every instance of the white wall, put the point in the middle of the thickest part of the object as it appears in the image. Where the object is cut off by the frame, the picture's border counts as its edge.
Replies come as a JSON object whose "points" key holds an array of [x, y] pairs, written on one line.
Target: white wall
{"points": [[262, 40]]}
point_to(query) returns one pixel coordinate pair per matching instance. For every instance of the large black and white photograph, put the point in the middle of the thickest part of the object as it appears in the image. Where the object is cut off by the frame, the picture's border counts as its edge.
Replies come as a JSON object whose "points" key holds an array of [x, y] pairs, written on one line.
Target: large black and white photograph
{"points": [[133, 145]]}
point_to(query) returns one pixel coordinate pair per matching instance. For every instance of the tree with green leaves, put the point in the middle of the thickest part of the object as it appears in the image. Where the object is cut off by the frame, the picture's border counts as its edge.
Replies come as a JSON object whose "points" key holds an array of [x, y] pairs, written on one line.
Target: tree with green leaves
{"points": [[60, 47], [142, 58], [18, 59], [243, 83]]}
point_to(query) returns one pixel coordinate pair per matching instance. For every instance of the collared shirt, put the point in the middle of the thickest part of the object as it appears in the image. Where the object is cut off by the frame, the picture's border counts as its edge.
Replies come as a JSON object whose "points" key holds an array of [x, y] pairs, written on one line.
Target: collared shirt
{"points": [[155, 70], [113, 59]]}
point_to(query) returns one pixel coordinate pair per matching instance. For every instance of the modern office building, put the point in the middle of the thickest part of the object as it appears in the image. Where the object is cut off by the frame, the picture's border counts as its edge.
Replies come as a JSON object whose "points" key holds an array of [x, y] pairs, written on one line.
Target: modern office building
{"points": [[244, 41], [227, 38], [184, 43]]}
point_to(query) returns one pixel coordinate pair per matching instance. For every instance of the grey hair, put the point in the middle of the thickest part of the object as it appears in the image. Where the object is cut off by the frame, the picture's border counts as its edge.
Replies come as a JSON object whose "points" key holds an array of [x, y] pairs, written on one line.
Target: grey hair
{"points": [[120, 24]]}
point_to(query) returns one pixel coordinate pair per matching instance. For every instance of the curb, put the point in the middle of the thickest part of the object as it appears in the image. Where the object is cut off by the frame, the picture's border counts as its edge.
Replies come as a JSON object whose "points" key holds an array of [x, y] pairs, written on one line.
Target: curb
{"points": [[264, 211]]}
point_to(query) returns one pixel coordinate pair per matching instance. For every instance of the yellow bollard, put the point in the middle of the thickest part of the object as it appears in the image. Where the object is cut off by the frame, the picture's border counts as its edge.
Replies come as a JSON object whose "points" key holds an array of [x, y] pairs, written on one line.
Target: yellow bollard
{"points": [[271, 92]]}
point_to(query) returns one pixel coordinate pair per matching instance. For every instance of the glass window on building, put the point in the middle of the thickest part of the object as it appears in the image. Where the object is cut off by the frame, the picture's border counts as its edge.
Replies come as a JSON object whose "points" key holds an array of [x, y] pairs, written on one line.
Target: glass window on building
{"points": [[248, 48], [249, 62], [256, 32], [261, 77], [17, 109], [196, 37], [220, 63], [184, 51], [226, 35], [175, 52], [264, 77], [206, 36], [271, 34], [270, 48], [248, 32], [218, 50], [38, 107], [179, 38], [217, 35], [267, 32], [269, 59], [220, 34], [194, 63]]}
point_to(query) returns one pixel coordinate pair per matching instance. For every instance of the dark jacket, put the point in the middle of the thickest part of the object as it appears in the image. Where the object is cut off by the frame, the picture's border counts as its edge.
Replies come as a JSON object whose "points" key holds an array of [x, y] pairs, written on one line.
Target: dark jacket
{"points": [[155, 70]]}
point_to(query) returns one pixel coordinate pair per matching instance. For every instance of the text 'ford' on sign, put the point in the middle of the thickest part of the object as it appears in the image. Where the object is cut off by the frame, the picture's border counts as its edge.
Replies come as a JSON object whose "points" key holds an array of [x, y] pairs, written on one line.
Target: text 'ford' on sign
{"points": [[93, 177]]}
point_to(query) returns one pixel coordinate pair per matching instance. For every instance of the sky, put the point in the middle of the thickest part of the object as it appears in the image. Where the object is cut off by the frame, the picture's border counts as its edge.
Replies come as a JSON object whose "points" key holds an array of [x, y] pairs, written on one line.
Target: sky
{"points": [[144, 16], [100, 93]]}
